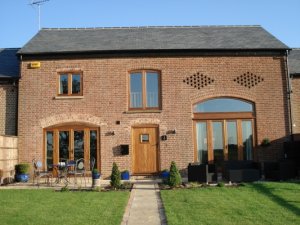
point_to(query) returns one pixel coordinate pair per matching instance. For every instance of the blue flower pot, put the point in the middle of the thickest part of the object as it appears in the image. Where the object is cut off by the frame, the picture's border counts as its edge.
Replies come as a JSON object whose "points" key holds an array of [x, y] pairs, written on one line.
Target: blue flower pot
{"points": [[95, 175], [165, 175], [125, 176], [22, 177]]}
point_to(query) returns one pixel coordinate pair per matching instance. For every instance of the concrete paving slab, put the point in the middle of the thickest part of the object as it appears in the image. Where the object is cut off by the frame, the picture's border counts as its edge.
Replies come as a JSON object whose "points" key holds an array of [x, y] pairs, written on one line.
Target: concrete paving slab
{"points": [[144, 206]]}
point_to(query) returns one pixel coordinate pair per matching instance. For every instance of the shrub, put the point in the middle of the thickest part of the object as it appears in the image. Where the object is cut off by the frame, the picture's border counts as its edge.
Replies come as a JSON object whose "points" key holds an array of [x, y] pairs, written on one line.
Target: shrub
{"points": [[265, 142], [221, 184], [115, 177], [22, 168], [95, 171], [175, 177]]}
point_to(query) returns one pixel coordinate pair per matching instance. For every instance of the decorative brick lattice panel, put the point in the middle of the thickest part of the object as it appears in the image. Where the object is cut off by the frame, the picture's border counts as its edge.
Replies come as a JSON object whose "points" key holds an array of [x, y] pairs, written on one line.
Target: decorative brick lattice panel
{"points": [[198, 80], [248, 80]]}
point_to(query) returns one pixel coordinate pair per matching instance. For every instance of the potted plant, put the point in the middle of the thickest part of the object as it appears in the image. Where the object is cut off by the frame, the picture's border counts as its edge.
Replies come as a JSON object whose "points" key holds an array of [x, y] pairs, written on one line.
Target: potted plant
{"points": [[165, 174], [96, 177], [22, 171], [125, 175], [265, 142]]}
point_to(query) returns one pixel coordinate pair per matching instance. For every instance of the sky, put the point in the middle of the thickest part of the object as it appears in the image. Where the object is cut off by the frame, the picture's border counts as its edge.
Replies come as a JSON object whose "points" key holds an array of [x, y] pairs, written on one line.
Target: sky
{"points": [[19, 20]]}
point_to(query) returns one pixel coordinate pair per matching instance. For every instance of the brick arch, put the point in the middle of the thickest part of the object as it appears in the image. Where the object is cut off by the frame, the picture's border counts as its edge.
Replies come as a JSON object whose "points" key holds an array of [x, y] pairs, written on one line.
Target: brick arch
{"points": [[208, 96], [68, 118]]}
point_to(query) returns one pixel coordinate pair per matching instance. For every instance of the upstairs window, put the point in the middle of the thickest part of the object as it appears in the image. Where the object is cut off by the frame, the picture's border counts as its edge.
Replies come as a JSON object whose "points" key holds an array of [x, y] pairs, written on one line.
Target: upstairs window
{"points": [[70, 84], [144, 89]]}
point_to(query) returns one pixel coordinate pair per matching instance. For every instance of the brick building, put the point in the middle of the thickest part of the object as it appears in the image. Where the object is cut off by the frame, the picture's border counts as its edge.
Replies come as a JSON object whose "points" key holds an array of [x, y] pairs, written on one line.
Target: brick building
{"points": [[294, 70], [9, 75], [143, 97]]}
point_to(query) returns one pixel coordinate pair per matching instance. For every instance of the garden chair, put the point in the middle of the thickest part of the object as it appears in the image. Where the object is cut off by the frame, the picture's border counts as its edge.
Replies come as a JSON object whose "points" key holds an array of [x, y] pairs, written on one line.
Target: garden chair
{"points": [[39, 173], [77, 170]]}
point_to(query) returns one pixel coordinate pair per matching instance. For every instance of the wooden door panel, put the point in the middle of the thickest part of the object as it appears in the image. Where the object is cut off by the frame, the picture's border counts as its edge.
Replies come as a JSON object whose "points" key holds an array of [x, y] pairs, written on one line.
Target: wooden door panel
{"points": [[145, 150]]}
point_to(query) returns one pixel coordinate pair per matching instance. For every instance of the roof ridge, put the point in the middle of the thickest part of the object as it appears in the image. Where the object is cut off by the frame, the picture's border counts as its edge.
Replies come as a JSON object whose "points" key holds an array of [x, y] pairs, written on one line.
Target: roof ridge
{"points": [[152, 27]]}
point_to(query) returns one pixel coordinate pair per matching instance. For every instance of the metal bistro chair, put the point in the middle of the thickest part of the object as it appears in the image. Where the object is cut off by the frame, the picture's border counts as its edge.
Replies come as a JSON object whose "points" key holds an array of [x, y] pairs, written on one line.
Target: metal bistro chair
{"points": [[78, 170], [38, 173]]}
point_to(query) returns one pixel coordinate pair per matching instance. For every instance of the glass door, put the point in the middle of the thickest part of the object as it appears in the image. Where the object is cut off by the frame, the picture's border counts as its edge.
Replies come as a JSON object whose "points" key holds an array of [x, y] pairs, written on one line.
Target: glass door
{"points": [[63, 144], [219, 140], [78, 141], [232, 140], [201, 129], [247, 133]]}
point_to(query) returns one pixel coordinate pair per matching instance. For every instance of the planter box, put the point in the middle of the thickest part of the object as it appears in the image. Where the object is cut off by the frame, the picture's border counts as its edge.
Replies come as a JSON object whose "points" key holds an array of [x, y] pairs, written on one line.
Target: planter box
{"points": [[125, 176], [22, 177], [165, 175], [95, 175]]}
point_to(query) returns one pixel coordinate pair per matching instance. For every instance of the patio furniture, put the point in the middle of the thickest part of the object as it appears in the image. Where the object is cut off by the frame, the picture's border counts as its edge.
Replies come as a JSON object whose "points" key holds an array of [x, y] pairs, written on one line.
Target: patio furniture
{"points": [[282, 170], [241, 171], [39, 173], [77, 170], [61, 170], [204, 173]]}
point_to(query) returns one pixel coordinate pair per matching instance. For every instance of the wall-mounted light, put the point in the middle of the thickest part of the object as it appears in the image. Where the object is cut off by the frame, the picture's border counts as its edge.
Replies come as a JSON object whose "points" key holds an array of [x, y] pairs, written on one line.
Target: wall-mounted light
{"points": [[110, 133], [171, 132]]}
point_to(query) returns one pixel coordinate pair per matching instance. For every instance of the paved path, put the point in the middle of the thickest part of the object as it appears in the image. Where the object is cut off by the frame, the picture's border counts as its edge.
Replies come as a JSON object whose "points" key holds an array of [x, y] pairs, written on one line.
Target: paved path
{"points": [[144, 206]]}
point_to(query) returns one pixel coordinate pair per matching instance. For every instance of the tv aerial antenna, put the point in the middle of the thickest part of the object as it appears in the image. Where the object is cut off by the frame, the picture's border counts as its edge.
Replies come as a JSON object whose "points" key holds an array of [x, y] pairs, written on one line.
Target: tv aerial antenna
{"points": [[38, 3]]}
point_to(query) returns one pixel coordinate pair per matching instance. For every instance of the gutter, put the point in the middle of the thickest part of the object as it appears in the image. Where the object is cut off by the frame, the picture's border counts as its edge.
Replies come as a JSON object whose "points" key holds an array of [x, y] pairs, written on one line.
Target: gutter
{"points": [[289, 92]]}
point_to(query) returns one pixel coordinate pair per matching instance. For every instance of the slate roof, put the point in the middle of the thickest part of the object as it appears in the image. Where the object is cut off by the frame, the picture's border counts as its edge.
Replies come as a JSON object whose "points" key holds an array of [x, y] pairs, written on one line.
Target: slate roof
{"points": [[294, 61], [152, 38], [9, 63]]}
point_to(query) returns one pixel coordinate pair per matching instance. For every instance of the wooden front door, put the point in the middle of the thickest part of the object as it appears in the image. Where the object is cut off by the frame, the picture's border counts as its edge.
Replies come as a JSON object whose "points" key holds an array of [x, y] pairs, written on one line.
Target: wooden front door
{"points": [[145, 150]]}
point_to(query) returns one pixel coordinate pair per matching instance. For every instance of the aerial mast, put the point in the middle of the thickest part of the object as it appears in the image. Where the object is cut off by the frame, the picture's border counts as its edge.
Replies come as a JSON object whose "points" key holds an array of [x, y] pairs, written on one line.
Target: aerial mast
{"points": [[38, 4]]}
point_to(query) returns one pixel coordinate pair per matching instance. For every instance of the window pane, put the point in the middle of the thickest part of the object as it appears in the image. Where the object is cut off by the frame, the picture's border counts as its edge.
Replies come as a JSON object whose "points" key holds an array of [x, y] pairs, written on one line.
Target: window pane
{"points": [[76, 83], [202, 142], [223, 105], [49, 146], [218, 142], [247, 139], [145, 138], [78, 144], [136, 86], [232, 140], [152, 89], [63, 84], [93, 146], [63, 145]]}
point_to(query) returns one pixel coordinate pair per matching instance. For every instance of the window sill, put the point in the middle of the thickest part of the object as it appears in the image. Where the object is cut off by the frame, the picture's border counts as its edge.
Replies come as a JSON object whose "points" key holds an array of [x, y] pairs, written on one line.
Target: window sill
{"points": [[68, 97], [143, 111]]}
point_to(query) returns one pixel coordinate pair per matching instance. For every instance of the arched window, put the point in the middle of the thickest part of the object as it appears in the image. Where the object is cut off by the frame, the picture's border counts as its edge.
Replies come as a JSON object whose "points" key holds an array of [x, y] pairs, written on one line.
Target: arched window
{"points": [[224, 130], [223, 105]]}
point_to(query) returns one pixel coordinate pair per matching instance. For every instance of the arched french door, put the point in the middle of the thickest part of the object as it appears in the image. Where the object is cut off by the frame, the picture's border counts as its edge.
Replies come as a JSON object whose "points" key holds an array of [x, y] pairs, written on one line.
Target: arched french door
{"points": [[224, 130], [71, 143]]}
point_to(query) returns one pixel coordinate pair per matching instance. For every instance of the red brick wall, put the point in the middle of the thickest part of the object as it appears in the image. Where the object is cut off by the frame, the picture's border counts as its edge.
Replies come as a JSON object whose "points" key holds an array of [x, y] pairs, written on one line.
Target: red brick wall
{"points": [[295, 100], [105, 91], [8, 109]]}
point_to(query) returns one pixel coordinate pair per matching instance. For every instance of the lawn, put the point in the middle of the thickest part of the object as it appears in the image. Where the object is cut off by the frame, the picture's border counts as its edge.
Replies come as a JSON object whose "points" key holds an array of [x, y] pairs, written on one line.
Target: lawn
{"points": [[39, 207], [258, 203]]}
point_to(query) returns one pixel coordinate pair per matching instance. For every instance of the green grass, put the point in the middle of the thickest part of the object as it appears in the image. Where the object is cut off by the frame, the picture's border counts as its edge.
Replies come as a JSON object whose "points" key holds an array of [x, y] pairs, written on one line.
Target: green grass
{"points": [[257, 203], [49, 207]]}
